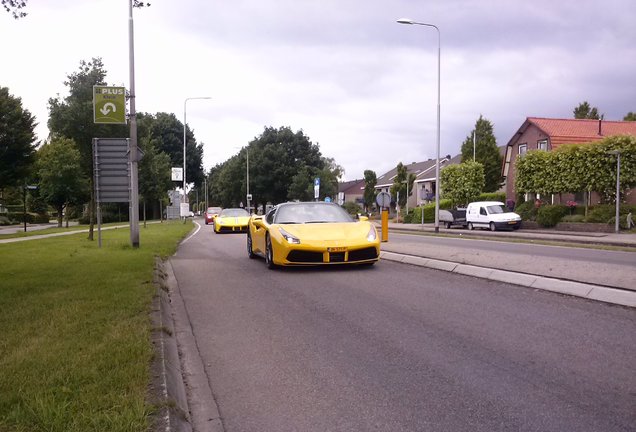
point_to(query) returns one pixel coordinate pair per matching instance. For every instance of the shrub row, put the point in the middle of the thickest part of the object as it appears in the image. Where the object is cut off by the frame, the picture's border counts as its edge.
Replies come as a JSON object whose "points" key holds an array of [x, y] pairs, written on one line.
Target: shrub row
{"points": [[16, 217]]}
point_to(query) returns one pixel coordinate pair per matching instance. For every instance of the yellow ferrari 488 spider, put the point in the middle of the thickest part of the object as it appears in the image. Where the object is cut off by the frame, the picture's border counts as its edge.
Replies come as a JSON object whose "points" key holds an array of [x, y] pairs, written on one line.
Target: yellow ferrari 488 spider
{"points": [[231, 220], [312, 233]]}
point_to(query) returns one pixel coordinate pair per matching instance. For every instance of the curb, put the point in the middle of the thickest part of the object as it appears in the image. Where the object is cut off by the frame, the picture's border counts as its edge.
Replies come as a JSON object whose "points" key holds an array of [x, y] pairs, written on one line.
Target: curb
{"points": [[578, 289], [197, 400]]}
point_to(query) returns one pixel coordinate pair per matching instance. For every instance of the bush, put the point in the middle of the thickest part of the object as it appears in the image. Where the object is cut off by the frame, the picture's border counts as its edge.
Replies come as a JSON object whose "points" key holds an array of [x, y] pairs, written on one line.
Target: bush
{"points": [[351, 208], [603, 213], [526, 210], [493, 196], [573, 218], [550, 215]]}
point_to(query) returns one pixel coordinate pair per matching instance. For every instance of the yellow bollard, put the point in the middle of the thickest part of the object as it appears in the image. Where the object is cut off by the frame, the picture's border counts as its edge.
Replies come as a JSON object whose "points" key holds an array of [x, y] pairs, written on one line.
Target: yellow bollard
{"points": [[385, 225]]}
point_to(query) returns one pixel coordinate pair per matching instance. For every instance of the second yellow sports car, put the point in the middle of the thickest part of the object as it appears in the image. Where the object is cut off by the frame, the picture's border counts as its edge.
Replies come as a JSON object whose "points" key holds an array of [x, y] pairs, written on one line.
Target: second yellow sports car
{"points": [[231, 220], [312, 233]]}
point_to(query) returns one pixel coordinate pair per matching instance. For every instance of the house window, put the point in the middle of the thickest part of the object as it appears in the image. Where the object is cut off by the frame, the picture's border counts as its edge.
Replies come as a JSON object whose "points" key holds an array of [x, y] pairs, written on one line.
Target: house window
{"points": [[523, 149], [542, 145]]}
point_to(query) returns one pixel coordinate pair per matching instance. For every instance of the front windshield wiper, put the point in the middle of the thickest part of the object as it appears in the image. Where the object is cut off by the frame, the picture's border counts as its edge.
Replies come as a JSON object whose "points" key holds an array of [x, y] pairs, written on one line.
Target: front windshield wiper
{"points": [[318, 221]]}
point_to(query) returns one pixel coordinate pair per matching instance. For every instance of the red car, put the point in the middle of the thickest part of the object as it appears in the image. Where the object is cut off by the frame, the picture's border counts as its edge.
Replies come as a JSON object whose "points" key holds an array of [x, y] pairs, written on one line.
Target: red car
{"points": [[211, 213]]}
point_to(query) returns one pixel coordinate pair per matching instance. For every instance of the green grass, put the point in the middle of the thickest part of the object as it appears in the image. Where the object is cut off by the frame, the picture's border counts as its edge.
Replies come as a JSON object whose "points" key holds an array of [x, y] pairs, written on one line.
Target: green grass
{"points": [[75, 346], [55, 229]]}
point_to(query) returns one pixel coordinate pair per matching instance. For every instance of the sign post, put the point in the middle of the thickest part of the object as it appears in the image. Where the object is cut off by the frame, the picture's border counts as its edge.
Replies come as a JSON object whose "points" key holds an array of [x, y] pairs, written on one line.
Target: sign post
{"points": [[316, 188], [383, 200]]}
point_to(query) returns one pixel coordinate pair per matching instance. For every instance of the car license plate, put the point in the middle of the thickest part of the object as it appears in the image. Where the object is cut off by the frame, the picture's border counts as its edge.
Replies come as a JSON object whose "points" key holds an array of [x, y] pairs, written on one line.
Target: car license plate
{"points": [[336, 249], [512, 222]]}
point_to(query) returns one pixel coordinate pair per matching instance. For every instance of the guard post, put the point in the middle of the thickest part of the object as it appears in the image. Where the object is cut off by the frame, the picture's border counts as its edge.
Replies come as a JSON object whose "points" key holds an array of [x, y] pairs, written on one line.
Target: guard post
{"points": [[383, 200]]}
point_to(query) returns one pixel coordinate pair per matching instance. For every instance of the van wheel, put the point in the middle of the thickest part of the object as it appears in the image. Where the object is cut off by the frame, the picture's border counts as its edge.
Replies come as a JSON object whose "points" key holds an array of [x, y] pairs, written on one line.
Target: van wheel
{"points": [[470, 226], [448, 225], [493, 227]]}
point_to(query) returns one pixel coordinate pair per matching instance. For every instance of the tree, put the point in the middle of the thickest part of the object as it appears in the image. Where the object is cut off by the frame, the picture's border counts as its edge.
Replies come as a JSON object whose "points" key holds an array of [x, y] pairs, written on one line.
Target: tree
{"points": [[17, 140], [72, 117], [62, 180], [370, 180], [462, 183], [400, 184], [14, 7], [154, 174], [167, 132], [631, 116], [585, 111], [486, 153]]}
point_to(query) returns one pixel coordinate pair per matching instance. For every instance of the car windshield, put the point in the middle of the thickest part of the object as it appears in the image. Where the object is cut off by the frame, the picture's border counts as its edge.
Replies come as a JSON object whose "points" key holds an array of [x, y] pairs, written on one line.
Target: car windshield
{"points": [[299, 213], [237, 212], [214, 210], [496, 209]]}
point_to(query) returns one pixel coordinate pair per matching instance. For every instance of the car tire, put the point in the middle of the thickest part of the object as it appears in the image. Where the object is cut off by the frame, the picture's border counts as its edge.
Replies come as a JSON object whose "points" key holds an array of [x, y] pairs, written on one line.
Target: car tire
{"points": [[250, 251], [470, 226], [448, 225], [269, 253], [493, 227]]}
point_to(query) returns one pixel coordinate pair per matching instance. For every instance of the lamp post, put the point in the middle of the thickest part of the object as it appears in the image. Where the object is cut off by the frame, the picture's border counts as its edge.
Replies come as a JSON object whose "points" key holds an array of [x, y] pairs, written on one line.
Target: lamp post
{"points": [[247, 177], [185, 127], [618, 187], [439, 51], [133, 155]]}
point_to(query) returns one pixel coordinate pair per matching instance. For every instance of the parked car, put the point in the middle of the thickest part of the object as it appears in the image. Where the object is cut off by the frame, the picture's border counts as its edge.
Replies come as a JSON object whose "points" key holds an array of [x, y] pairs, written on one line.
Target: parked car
{"points": [[493, 215], [231, 220], [454, 217], [312, 233], [211, 213]]}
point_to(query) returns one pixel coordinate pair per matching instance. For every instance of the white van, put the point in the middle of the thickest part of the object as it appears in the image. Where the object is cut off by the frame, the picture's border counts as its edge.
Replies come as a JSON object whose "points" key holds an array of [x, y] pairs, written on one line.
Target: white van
{"points": [[491, 214]]}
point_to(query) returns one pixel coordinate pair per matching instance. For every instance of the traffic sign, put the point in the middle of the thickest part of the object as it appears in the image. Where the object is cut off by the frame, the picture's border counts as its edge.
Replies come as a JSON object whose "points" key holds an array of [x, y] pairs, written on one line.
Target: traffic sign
{"points": [[316, 187], [177, 174], [383, 199], [109, 105]]}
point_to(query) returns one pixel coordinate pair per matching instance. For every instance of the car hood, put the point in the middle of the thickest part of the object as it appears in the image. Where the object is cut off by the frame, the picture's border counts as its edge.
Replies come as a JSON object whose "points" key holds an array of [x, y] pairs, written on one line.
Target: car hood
{"points": [[328, 231], [504, 217], [233, 219]]}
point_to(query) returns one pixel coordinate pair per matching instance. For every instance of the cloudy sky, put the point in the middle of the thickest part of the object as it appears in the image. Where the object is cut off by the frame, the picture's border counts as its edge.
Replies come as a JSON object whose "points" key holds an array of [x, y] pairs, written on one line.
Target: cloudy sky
{"points": [[357, 83]]}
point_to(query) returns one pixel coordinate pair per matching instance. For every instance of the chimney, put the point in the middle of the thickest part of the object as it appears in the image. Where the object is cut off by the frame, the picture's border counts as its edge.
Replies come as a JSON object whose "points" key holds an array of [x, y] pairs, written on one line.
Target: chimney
{"points": [[599, 126]]}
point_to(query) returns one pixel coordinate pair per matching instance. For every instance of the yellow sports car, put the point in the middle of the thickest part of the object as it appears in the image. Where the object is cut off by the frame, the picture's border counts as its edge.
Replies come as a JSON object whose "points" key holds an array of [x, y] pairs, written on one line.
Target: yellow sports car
{"points": [[312, 233], [231, 220]]}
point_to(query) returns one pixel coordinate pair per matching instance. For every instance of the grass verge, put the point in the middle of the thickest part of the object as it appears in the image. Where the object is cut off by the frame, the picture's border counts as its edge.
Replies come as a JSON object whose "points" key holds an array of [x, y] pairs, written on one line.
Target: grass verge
{"points": [[75, 350]]}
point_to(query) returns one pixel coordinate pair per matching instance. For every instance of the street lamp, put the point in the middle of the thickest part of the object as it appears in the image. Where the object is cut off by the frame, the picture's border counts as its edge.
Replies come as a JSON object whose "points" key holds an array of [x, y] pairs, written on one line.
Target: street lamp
{"points": [[185, 127], [247, 177], [439, 51], [618, 187]]}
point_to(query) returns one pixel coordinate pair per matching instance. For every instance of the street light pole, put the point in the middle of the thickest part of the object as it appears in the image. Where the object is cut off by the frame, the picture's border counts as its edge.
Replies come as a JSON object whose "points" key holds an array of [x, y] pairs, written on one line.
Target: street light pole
{"points": [[439, 55], [247, 175], [185, 127], [618, 188], [133, 156]]}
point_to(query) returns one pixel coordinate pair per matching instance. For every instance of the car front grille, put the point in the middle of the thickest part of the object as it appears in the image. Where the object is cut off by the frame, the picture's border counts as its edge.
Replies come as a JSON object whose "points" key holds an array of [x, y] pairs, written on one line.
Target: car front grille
{"points": [[300, 256], [363, 254]]}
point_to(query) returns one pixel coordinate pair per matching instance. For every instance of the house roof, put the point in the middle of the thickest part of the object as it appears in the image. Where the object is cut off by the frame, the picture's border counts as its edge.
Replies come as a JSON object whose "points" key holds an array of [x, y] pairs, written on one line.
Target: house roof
{"points": [[422, 170], [573, 131], [352, 187]]}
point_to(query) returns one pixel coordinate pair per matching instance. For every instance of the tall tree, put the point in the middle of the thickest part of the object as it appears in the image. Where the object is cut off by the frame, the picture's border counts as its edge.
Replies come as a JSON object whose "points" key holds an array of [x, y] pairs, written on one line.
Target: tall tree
{"points": [[72, 117], [585, 111], [154, 175], [166, 131], [62, 180], [462, 183], [630, 116], [486, 153], [17, 140], [402, 178], [370, 180]]}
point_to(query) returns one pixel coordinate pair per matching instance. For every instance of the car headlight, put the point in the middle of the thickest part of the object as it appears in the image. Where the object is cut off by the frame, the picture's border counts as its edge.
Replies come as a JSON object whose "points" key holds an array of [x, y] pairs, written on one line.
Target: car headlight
{"points": [[372, 234], [290, 238]]}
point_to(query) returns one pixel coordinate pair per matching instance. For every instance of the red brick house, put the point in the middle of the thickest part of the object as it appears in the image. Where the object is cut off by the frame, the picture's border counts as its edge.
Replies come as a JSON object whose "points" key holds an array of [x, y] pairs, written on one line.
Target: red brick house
{"points": [[547, 134]]}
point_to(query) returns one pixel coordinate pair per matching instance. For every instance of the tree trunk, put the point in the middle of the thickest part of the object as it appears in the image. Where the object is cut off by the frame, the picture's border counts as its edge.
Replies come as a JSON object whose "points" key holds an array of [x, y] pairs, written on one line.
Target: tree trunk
{"points": [[144, 213], [60, 209]]}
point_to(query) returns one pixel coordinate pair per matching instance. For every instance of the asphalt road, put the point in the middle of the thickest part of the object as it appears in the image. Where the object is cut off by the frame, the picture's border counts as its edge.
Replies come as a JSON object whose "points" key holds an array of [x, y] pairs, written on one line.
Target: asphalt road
{"points": [[400, 348], [595, 266]]}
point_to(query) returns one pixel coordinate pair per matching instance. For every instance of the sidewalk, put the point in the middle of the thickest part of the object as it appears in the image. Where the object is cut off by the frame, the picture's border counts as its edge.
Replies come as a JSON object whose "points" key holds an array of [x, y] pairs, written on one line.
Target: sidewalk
{"points": [[622, 239]]}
